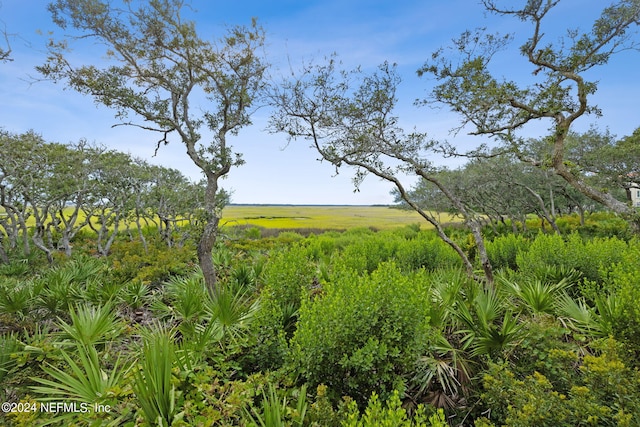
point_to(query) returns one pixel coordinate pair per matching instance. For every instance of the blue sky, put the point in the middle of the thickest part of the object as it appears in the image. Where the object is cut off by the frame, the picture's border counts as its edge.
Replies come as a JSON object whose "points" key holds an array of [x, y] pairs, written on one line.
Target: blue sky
{"points": [[361, 32]]}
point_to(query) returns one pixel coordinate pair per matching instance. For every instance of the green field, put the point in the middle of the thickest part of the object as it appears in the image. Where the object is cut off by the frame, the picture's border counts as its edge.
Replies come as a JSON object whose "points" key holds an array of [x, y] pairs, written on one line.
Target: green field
{"points": [[321, 217], [312, 217]]}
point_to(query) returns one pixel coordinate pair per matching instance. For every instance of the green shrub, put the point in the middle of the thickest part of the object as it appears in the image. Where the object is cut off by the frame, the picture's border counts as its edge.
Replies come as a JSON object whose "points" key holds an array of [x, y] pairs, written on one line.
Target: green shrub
{"points": [[363, 334], [129, 262], [287, 276], [591, 258], [392, 414], [365, 254], [624, 282], [503, 250], [426, 251], [605, 393]]}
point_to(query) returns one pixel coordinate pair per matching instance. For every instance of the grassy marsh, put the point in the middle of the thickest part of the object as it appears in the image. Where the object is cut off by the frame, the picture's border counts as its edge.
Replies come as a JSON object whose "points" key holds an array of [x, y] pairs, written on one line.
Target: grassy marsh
{"points": [[322, 217]]}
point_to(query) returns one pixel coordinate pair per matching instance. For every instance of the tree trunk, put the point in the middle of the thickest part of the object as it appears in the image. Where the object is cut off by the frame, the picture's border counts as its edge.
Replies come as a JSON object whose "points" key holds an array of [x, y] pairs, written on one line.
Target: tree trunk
{"points": [[544, 212], [141, 234], [205, 259], [4, 258], [476, 230], [606, 199], [39, 242], [210, 233]]}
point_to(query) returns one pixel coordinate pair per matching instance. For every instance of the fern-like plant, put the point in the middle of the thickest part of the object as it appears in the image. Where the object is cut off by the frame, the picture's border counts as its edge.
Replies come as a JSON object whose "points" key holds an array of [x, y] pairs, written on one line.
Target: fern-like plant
{"points": [[153, 383], [86, 380], [91, 325]]}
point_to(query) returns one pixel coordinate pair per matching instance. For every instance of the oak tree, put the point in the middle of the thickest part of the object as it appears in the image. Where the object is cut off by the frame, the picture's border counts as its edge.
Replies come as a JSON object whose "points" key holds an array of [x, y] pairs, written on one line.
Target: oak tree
{"points": [[558, 90], [170, 79], [349, 118]]}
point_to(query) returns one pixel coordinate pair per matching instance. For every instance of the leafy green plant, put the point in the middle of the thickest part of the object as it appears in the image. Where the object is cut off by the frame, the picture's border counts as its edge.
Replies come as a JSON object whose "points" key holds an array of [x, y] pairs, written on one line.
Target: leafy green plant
{"points": [[604, 393], [9, 346], [17, 299], [442, 375], [287, 274], [92, 325], [536, 296], [58, 291], [392, 414], [503, 250], [233, 312], [87, 381], [135, 294], [15, 268], [153, 382], [363, 334], [488, 323], [275, 412], [187, 295]]}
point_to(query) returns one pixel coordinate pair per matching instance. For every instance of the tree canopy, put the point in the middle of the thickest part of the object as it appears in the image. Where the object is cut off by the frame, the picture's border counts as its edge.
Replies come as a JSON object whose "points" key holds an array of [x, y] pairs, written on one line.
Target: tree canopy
{"points": [[559, 91], [170, 79]]}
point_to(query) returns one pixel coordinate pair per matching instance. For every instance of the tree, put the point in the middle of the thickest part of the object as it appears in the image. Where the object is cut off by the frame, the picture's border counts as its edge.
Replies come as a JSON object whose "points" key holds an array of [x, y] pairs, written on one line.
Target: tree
{"points": [[558, 92], [160, 69], [349, 119], [5, 51], [112, 198], [612, 164], [12, 201]]}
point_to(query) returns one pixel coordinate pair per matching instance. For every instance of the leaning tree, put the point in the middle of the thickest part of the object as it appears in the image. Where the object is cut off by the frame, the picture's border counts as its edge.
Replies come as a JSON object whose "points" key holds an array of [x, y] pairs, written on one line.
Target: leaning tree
{"points": [[349, 118], [173, 81], [557, 89]]}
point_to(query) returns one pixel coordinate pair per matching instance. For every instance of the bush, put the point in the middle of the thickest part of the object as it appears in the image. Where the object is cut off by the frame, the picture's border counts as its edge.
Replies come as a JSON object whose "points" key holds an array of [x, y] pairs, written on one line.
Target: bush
{"points": [[503, 250], [591, 258], [363, 334], [364, 255], [605, 394], [130, 262], [287, 276], [426, 251], [624, 282], [391, 415]]}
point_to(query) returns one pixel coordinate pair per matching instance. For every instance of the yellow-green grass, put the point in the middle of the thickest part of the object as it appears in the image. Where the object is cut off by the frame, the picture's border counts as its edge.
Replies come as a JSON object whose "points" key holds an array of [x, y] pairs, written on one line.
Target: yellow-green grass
{"points": [[322, 217], [312, 217]]}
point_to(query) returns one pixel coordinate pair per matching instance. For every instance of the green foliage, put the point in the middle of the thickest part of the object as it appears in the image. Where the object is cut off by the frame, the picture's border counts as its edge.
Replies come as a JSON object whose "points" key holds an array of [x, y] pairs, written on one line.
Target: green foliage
{"points": [[624, 286], [287, 274], [186, 296], [597, 224], [535, 295], [363, 334], [153, 384], [503, 250], [592, 258], [233, 311], [135, 294], [16, 298], [276, 412], [9, 346], [92, 325], [87, 382], [489, 325], [15, 268], [548, 348], [130, 262], [604, 393], [392, 414], [427, 251], [365, 254]]}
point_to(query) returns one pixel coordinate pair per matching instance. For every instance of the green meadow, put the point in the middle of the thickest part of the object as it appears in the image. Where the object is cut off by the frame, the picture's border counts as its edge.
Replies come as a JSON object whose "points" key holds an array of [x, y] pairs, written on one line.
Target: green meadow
{"points": [[312, 217], [321, 217]]}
